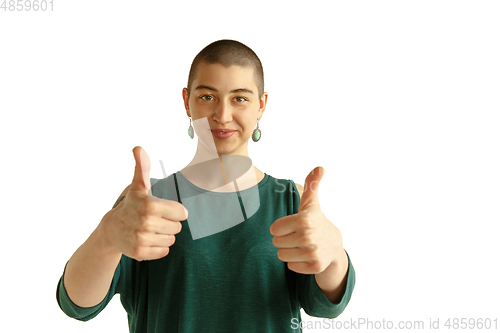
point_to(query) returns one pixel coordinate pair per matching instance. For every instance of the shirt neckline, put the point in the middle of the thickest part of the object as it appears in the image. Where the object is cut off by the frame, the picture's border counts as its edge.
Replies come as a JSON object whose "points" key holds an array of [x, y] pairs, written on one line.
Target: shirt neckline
{"points": [[201, 190]]}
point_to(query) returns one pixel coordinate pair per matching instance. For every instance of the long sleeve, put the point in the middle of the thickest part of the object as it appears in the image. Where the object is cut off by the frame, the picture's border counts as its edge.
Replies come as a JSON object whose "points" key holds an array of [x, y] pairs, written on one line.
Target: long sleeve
{"points": [[84, 314], [313, 300]]}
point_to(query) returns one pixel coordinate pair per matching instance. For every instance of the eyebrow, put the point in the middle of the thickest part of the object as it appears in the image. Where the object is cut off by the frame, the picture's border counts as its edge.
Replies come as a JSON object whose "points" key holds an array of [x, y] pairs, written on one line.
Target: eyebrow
{"points": [[232, 91]]}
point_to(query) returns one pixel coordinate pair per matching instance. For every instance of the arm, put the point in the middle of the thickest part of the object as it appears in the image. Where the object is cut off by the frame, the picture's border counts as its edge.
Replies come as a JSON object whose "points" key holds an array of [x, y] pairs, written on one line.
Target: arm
{"points": [[139, 226], [90, 270], [333, 280]]}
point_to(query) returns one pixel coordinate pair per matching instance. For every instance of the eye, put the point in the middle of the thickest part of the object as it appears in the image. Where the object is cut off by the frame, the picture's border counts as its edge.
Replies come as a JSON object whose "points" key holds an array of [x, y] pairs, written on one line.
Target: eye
{"points": [[241, 99], [207, 97]]}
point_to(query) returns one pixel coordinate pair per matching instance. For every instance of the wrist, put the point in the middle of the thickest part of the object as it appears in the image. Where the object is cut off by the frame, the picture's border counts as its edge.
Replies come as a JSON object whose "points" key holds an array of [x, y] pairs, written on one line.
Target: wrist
{"points": [[102, 237]]}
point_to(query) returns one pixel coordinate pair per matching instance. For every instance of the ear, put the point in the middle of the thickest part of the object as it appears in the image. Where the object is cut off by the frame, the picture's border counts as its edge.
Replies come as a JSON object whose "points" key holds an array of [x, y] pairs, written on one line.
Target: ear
{"points": [[262, 103], [300, 188], [185, 97]]}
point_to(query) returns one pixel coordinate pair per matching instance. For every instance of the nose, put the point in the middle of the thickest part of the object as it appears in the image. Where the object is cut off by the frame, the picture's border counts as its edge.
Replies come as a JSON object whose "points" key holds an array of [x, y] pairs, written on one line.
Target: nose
{"points": [[224, 112]]}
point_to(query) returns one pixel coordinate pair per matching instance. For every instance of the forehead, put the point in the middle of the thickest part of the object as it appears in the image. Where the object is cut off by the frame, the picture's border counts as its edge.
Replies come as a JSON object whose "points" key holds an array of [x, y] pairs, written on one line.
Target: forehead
{"points": [[225, 78]]}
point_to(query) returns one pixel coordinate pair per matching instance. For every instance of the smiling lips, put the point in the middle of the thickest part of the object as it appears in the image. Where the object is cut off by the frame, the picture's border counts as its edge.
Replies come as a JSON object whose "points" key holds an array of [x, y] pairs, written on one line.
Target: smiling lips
{"points": [[222, 130], [222, 133]]}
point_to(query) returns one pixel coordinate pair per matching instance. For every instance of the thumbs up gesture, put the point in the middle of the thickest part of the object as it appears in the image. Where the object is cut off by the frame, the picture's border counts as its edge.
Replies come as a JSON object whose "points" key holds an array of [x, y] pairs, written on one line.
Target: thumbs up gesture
{"points": [[142, 226], [307, 241]]}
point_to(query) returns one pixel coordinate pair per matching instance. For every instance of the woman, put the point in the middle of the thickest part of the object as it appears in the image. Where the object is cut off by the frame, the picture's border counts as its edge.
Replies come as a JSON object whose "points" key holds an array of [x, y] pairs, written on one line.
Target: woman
{"points": [[220, 245]]}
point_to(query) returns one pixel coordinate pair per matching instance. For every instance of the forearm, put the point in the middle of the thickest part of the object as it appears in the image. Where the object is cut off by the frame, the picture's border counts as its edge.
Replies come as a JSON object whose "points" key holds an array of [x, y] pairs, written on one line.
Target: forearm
{"points": [[332, 281], [90, 270]]}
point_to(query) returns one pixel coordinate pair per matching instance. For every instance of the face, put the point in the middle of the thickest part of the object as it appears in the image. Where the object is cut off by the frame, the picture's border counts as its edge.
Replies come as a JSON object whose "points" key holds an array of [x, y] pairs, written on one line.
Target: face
{"points": [[228, 98]]}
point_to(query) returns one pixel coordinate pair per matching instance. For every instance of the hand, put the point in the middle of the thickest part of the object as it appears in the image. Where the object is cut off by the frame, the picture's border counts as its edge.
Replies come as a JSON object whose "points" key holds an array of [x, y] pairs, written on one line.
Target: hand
{"points": [[142, 226], [307, 241]]}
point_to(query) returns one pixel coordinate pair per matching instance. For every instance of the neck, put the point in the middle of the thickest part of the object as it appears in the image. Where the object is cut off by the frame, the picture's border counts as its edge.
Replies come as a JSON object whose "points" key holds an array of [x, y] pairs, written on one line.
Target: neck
{"points": [[212, 170]]}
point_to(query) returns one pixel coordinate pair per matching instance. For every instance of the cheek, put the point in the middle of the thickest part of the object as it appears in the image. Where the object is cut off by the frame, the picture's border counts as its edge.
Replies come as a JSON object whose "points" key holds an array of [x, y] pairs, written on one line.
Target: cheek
{"points": [[248, 124], [201, 109]]}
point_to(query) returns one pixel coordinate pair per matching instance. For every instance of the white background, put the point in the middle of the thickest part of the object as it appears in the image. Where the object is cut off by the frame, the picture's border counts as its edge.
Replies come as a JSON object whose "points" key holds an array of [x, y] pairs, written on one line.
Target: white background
{"points": [[397, 100]]}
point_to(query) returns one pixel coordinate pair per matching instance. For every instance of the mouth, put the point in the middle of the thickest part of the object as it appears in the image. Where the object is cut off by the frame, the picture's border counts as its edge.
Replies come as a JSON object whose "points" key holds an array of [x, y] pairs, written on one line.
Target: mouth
{"points": [[222, 134], [222, 131]]}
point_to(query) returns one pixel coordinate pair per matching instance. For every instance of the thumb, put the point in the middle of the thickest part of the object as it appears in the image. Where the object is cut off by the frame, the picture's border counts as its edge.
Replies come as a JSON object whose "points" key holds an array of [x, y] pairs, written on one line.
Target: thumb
{"points": [[311, 185], [141, 180]]}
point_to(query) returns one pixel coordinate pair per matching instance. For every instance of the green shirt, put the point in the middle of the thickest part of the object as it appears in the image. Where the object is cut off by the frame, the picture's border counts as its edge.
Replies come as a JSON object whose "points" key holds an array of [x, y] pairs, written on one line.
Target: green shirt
{"points": [[229, 281]]}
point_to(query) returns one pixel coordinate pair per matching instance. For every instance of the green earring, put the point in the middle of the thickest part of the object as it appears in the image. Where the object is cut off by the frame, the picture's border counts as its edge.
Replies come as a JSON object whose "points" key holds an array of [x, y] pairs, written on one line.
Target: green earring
{"points": [[190, 130], [256, 133]]}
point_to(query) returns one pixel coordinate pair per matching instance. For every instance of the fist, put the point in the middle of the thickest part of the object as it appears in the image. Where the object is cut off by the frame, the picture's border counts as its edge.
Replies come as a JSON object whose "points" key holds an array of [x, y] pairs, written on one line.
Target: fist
{"points": [[142, 226], [307, 241]]}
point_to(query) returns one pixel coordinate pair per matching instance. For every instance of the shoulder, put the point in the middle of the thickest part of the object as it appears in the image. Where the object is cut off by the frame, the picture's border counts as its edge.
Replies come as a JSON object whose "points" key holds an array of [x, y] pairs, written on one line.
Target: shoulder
{"points": [[300, 188]]}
